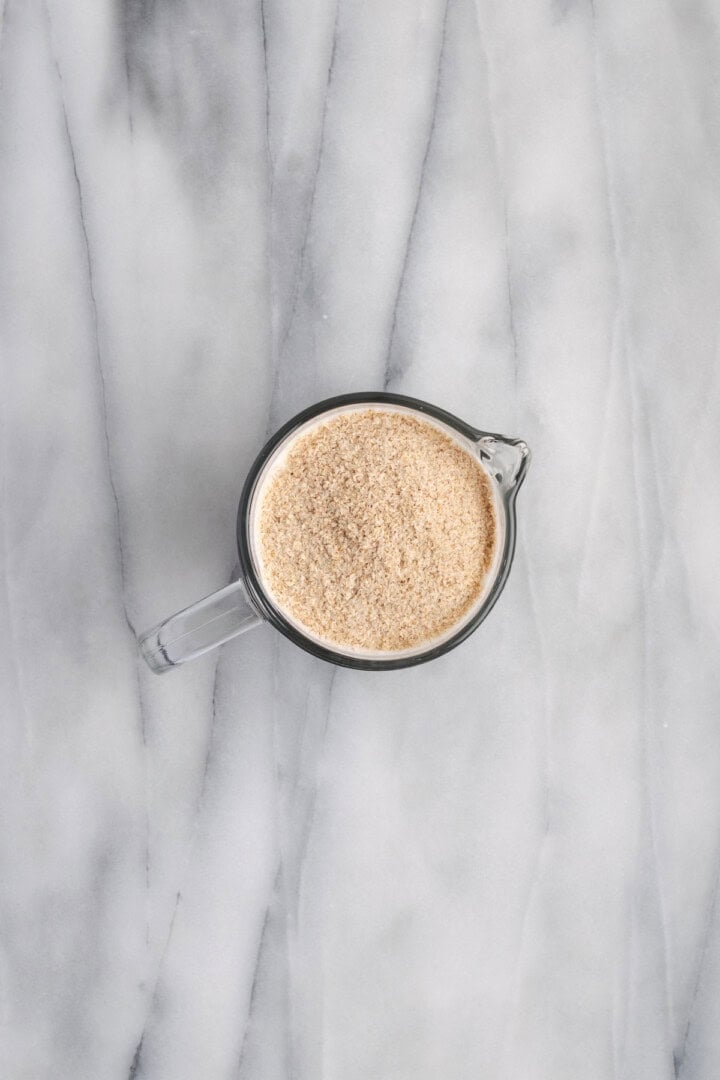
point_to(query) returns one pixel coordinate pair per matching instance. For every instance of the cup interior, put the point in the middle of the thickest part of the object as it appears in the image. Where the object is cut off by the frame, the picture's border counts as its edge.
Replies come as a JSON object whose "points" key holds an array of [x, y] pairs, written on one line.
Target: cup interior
{"points": [[272, 459]]}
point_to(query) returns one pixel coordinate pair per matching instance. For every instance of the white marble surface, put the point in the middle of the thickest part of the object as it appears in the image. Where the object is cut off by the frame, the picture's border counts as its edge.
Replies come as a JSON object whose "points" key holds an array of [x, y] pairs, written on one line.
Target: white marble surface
{"points": [[503, 864]]}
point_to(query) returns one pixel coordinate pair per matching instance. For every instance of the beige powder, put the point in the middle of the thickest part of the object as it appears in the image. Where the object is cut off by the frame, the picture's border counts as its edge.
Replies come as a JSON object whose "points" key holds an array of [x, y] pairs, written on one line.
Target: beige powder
{"points": [[377, 531]]}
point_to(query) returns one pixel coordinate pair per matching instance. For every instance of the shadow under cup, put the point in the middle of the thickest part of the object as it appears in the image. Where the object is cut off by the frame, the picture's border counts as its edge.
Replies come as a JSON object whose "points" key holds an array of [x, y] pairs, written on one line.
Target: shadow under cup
{"points": [[247, 602]]}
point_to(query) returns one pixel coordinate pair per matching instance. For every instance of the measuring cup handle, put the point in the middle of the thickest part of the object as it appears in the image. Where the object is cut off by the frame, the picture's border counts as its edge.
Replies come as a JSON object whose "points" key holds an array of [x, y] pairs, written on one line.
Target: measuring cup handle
{"points": [[197, 629]]}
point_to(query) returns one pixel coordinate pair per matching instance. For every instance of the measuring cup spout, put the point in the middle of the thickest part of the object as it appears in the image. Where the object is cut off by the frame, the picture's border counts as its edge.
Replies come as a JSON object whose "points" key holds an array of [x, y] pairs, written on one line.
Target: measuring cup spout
{"points": [[507, 460]]}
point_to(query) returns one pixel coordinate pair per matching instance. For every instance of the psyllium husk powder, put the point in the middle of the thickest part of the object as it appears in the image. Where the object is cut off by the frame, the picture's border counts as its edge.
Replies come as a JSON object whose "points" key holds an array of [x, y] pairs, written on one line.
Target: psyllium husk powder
{"points": [[377, 531]]}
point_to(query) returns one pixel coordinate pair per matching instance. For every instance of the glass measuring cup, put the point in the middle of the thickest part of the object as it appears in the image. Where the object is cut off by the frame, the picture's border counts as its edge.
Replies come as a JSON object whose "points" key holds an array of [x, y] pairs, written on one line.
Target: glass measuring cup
{"points": [[246, 602]]}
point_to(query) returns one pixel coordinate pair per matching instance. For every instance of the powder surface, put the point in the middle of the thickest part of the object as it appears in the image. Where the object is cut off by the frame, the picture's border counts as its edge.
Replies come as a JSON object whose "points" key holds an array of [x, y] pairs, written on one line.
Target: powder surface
{"points": [[377, 531]]}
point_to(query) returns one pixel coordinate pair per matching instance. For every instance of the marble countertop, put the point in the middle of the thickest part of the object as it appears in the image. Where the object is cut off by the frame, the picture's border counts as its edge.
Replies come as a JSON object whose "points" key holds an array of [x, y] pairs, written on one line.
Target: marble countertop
{"points": [[503, 864]]}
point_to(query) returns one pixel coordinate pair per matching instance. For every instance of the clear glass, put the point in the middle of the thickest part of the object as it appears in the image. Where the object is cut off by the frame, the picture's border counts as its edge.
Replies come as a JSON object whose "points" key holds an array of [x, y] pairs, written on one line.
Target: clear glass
{"points": [[246, 603], [198, 628]]}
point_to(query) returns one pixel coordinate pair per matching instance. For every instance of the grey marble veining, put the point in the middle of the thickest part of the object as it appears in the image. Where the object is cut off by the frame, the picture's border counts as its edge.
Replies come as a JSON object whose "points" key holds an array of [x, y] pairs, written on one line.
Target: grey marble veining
{"points": [[501, 864]]}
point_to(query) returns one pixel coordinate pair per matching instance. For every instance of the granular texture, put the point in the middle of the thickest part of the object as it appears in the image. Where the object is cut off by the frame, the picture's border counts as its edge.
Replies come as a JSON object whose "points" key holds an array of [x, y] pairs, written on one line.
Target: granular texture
{"points": [[377, 531]]}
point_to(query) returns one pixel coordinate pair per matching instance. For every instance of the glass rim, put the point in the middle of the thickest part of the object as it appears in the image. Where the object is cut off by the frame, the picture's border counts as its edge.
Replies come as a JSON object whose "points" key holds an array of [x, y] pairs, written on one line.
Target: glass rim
{"points": [[270, 611]]}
